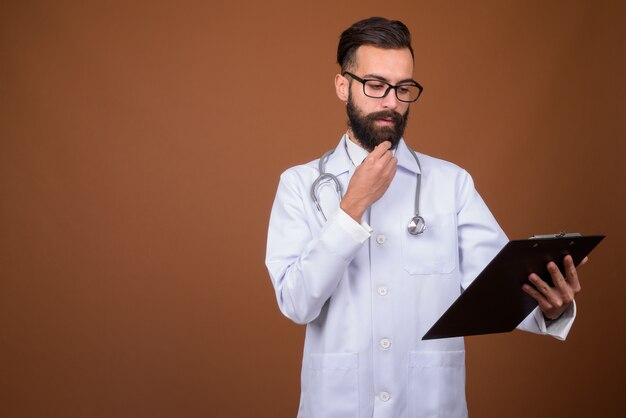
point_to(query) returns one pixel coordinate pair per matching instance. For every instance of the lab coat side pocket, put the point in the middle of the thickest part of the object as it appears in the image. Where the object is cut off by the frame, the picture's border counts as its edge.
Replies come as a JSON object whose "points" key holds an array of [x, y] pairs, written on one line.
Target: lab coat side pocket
{"points": [[435, 251], [332, 386], [437, 384]]}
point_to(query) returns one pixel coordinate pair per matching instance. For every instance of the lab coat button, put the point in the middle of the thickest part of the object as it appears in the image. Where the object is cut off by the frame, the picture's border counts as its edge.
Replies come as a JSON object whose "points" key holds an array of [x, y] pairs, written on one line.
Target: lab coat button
{"points": [[381, 239], [383, 291], [384, 396], [385, 343]]}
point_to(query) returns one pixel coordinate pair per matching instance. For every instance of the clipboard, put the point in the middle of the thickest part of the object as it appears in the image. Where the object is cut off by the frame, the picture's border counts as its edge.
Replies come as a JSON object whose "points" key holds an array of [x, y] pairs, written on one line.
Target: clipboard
{"points": [[495, 302]]}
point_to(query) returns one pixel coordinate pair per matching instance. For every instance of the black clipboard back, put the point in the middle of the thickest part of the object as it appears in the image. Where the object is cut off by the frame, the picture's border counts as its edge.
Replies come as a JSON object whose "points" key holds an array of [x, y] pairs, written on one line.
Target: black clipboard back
{"points": [[495, 302]]}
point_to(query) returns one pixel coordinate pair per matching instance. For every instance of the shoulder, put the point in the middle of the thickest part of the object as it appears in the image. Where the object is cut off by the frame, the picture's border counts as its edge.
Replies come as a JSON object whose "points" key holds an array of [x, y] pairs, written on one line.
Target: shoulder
{"points": [[297, 180], [301, 172]]}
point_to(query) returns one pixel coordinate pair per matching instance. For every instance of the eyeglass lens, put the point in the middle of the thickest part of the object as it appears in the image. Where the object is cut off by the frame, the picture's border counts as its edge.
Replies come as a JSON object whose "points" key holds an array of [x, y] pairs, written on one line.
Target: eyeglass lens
{"points": [[378, 89]]}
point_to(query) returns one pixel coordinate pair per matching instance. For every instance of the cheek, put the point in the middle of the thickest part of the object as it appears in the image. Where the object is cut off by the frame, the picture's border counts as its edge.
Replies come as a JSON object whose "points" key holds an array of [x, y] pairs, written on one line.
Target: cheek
{"points": [[369, 106], [360, 101], [402, 108]]}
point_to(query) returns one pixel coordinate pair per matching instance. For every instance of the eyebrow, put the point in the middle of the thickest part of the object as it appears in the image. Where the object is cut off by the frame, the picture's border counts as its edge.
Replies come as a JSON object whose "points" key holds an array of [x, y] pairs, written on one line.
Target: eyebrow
{"points": [[378, 77]]}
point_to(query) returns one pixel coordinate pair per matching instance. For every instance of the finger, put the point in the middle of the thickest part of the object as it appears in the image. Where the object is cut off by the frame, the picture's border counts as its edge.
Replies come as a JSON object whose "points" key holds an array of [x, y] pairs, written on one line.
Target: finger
{"points": [[540, 285], [380, 149], [557, 276], [582, 263], [572, 274], [390, 169], [381, 162], [390, 163], [543, 303], [385, 159], [555, 297]]}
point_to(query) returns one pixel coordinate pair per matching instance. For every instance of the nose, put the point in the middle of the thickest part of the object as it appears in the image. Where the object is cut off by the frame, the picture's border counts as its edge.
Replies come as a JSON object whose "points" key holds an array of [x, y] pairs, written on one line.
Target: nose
{"points": [[390, 101]]}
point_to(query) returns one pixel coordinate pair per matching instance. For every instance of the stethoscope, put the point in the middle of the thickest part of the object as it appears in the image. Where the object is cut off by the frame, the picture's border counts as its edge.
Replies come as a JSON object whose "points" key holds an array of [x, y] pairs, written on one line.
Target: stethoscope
{"points": [[416, 224]]}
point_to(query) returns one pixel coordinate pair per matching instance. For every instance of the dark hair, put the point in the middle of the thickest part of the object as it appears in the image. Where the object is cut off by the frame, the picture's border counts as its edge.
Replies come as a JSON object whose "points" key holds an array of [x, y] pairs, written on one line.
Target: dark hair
{"points": [[375, 31]]}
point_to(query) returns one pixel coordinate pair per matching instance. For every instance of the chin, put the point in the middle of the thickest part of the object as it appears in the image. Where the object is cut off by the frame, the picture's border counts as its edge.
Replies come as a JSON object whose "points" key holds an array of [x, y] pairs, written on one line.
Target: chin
{"points": [[390, 136]]}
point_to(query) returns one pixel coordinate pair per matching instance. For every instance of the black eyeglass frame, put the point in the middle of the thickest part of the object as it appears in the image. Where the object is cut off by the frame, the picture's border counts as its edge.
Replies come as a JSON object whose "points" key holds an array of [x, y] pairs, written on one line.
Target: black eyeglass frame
{"points": [[390, 86]]}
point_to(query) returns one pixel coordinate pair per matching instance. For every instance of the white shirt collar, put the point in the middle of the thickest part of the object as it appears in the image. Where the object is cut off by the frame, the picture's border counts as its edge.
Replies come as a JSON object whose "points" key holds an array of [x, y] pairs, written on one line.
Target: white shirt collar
{"points": [[355, 152]]}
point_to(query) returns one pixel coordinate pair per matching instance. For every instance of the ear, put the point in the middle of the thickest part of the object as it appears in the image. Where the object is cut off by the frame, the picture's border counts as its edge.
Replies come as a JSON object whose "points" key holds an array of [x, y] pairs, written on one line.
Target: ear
{"points": [[342, 87]]}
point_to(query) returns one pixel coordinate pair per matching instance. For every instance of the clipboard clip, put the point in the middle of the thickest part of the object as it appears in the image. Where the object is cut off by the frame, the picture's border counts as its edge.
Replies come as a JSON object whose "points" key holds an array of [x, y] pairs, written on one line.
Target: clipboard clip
{"points": [[561, 234]]}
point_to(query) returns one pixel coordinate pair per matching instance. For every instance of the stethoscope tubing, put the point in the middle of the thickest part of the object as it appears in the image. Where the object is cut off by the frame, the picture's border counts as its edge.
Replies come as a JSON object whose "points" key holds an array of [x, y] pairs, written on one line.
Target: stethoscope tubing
{"points": [[416, 226]]}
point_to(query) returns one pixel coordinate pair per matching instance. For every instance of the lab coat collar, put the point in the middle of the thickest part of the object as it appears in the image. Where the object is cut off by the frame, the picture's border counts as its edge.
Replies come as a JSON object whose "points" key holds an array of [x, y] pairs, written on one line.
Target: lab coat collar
{"points": [[405, 158], [339, 162]]}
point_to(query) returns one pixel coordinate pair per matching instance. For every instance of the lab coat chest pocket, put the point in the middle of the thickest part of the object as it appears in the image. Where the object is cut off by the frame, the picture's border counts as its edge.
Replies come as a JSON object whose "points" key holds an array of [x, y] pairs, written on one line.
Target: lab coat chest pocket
{"points": [[437, 384], [333, 385], [435, 250]]}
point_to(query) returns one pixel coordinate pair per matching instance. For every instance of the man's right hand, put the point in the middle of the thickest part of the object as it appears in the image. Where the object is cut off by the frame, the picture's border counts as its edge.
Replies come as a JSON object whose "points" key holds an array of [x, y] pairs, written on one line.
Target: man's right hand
{"points": [[370, 181]]}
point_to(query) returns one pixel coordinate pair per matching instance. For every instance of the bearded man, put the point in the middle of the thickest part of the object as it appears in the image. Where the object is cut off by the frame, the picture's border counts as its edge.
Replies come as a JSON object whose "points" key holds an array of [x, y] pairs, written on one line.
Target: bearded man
{"points": [[368, 267]]}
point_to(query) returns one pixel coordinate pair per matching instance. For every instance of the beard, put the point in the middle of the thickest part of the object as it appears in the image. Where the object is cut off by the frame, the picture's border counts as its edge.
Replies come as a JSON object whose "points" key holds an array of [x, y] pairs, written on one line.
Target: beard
{"points": [[368, 133]]}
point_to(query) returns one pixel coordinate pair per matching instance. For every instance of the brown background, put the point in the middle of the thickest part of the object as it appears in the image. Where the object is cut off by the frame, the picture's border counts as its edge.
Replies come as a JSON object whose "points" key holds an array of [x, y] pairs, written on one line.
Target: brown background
{"points": [[140, 148]]}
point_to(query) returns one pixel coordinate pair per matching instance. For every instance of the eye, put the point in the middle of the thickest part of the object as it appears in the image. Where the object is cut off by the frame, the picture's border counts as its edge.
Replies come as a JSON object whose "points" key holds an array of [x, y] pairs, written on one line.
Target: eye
{"points": [[404, 89], [376, 85]]}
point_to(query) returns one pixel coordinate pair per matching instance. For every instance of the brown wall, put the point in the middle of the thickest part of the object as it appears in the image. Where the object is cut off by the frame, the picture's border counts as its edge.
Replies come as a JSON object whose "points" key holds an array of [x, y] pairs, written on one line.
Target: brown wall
{"points": [[140, 148]]}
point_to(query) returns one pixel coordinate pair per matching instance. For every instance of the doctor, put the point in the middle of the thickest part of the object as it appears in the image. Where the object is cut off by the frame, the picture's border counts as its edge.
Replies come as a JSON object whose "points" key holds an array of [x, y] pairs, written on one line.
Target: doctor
{"points": [[344, 261]]}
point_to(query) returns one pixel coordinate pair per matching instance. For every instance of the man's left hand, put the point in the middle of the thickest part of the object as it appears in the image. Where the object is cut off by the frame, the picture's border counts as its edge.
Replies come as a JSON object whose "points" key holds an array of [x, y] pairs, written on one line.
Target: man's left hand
{"points": [[553, 301]]}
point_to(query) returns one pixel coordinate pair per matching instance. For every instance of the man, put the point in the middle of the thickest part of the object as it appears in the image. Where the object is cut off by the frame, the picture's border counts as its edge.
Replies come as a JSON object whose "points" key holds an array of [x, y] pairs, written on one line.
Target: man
{"points": [[349, 268]]}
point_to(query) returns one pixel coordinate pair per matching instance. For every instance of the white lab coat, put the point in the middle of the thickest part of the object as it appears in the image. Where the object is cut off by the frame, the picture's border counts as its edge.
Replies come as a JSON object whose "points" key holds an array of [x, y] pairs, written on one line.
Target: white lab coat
{"points": [[368, 302]]}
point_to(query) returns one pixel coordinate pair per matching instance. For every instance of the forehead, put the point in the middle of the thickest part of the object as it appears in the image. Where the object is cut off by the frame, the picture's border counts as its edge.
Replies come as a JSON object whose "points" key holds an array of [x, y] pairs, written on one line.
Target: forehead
{"points": [[392, 64]]}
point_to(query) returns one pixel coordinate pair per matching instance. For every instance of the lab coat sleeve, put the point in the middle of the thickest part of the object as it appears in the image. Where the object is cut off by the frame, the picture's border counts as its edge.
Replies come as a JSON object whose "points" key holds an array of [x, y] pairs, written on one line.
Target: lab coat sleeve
{"points": [[480, 237], [306, 268], [559, 328]]}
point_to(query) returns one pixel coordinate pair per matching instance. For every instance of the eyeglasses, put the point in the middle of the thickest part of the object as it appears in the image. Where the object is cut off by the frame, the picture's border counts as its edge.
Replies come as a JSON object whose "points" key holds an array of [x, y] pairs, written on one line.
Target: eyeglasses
{"points": [[377, 89]]}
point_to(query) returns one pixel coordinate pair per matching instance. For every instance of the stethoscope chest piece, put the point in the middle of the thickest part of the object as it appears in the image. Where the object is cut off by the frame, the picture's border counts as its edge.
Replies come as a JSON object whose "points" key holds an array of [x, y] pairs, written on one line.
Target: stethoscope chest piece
{"points": [[417, 225]]}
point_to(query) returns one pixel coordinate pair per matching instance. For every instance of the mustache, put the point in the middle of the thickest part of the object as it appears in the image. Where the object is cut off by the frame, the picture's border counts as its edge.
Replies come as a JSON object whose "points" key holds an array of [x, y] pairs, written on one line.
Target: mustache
{"points": [[385, 114]]}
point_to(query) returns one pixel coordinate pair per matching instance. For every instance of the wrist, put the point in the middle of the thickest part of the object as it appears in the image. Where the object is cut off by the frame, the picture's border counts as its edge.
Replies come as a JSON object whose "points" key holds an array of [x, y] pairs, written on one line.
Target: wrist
{"points": [[549, 320], [353, 210]]}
